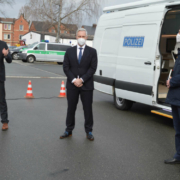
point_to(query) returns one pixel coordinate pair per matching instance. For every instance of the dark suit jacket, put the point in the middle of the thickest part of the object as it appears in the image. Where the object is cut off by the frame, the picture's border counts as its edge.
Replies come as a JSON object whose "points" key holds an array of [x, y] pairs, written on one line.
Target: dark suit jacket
{"points": [[8, 59], [85, 70], [173, 96]]}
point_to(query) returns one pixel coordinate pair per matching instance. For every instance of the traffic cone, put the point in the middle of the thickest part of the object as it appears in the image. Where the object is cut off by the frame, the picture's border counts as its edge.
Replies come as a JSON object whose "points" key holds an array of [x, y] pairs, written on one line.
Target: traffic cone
{"points": [[62, 91], [29, 93]]}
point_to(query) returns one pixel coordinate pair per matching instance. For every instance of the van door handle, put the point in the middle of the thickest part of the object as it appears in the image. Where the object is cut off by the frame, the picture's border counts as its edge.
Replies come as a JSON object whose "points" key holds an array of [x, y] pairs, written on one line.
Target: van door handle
{"points": [[147, 63]]}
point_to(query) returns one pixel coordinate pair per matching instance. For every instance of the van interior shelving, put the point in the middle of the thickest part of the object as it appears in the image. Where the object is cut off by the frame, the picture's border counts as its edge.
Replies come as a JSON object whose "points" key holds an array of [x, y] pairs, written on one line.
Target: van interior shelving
{"points": [[169, 32]]}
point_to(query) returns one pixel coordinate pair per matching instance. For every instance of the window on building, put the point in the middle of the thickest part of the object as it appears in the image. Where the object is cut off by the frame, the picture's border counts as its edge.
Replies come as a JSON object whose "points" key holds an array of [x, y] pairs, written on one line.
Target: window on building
{"points": [[5, 36], [9, 26], [30, 36], [5, 26], [53, 31], [20, 37], [21, 27], [8, 36]]}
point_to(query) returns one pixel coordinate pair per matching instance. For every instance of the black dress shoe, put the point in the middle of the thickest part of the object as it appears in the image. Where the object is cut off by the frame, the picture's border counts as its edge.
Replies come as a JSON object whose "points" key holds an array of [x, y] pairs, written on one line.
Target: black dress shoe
{"points": [[172, 161], [65, 135], [90, 136]]}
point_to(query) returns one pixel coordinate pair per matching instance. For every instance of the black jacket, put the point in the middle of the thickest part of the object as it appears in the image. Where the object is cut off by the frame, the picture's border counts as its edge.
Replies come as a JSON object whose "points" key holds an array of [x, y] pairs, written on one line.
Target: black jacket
{"points": [[173, 96], [85, 70], [8, 59]]}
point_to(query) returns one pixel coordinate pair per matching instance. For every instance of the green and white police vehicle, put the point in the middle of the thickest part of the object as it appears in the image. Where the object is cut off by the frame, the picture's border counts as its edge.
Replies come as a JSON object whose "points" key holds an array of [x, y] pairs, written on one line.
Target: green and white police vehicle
{"points": [[44, 51]]}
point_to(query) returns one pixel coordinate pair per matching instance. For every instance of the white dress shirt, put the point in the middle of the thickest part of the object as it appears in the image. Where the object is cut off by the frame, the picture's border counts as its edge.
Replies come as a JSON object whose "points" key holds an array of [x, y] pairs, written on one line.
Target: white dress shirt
{"points": [[78, 51]]}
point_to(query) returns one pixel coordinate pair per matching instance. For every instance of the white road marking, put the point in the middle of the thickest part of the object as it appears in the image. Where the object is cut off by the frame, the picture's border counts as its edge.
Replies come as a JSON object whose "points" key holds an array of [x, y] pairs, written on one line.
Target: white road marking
{"points": [[39, 69], [27, 77]]}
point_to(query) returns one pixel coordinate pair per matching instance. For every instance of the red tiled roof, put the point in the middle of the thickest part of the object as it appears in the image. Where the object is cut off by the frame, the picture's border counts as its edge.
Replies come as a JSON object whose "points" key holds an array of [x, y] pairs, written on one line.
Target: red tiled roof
{"points": [[8, 19]]}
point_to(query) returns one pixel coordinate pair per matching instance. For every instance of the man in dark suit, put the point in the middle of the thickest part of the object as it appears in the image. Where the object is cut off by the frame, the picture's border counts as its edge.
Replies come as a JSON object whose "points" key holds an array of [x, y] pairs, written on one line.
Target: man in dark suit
{"points": [[4, 53], [80, 64]]}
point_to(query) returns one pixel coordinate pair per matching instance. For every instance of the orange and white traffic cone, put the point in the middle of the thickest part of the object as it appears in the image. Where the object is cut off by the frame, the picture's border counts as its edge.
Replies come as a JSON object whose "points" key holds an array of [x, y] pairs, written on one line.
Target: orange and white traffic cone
{"points": [[29, 93], [62, 91]]}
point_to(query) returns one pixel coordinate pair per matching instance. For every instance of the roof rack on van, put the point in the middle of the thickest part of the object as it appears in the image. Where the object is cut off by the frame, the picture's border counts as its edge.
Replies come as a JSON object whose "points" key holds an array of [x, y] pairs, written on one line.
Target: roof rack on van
{"points": [[134, 5]]}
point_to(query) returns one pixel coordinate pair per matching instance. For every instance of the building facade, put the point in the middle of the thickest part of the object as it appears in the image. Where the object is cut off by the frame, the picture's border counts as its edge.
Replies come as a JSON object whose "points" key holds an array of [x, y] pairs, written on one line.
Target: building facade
{"points": [[11, 29], [32, 37], [39, 26]]}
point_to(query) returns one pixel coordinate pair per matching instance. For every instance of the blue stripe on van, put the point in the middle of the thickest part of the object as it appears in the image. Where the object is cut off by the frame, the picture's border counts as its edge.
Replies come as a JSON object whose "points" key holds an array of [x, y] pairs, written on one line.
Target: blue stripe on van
{"points": [[136, 42]]}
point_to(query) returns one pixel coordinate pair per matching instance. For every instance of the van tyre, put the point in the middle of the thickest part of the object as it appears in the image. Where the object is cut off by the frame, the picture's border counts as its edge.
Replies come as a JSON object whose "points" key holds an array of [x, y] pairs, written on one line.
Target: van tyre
{"points": [[30, 59], [15, 56], [122, 104], [59, 63]]}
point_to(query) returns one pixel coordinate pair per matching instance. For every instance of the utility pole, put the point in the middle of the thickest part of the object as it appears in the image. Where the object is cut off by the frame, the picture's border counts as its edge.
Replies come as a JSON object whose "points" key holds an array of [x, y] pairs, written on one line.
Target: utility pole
{"points": [[59, 21]]}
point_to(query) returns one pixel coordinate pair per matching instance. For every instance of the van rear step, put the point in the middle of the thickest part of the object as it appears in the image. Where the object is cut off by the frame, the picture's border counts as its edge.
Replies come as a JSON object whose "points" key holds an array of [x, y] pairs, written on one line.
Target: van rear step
{"points": [[163, 112]]}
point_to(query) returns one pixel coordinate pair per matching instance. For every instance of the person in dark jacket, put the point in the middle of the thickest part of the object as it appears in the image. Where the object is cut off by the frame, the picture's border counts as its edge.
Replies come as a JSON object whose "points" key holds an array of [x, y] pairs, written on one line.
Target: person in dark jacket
{"points": [[173, 98], [4, 53], [80, 64]]}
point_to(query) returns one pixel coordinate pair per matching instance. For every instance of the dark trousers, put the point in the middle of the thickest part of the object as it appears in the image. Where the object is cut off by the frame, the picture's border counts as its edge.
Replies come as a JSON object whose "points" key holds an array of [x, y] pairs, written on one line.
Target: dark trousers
{"points": [[176, 121], [87, 100], [3, 105]]}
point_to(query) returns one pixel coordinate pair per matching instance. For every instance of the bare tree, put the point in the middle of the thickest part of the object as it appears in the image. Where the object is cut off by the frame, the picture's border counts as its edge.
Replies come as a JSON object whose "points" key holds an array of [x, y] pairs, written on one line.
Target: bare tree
{"points": [[26, 10], [58, 12], [5, 2]]}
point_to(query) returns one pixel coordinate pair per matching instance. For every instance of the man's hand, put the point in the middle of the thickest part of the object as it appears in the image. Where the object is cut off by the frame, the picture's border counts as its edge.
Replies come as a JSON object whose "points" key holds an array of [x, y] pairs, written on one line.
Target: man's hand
{"points": [[78, 83], [5, 52], [168, 82]]}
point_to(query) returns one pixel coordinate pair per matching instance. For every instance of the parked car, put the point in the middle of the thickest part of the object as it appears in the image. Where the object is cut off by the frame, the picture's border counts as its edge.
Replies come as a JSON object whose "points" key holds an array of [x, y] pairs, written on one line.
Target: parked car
{"points": [[12, 47], [15, 51], [44, 51]]}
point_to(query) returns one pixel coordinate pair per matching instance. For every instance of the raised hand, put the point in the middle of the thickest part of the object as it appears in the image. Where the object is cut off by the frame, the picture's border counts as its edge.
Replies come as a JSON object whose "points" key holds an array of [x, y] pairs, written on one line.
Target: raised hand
{"points": [[5, 52]]}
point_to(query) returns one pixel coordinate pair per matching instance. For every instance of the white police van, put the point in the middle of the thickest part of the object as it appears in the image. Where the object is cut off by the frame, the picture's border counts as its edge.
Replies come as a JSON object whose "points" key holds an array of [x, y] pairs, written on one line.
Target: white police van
{"points": [[134, 42]]}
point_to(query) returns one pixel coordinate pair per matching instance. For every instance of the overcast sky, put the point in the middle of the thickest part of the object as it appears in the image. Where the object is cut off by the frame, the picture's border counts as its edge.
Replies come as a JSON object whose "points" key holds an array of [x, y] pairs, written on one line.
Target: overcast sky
{"points": [[12, 12]]}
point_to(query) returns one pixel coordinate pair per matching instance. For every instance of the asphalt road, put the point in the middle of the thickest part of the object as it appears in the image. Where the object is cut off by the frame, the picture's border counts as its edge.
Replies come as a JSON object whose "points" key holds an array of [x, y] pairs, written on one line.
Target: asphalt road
{"points": [[129, 145]]}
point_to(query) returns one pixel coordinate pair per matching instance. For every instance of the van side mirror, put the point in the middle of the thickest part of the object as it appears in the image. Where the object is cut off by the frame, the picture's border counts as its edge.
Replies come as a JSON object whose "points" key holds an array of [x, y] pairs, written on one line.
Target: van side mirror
{"points": [[35, 48]]}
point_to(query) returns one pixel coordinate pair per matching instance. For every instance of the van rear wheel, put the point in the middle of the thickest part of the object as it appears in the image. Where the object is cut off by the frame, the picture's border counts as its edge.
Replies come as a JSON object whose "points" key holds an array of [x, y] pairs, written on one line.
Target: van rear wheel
{"points": [[122, 104], [59, 63]]}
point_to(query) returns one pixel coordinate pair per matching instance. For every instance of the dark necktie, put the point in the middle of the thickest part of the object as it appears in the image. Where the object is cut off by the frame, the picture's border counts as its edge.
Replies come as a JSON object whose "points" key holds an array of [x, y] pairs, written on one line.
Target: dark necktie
{"points": [[80, 55]]}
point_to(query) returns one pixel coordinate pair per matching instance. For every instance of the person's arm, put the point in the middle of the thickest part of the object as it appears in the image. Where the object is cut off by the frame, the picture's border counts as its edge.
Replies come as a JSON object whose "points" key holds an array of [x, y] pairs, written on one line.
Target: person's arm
{"points": [[66, 68], [175, 81], [91, 71], [8, 57]]}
